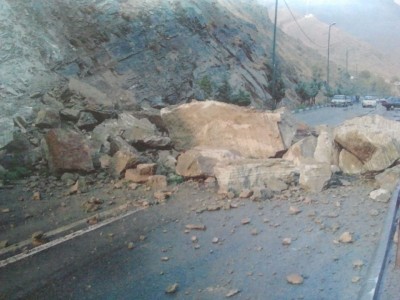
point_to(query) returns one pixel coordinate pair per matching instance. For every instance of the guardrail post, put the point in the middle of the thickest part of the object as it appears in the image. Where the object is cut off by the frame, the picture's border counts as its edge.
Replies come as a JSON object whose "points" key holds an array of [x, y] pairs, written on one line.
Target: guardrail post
{"points": [[398, 246]]}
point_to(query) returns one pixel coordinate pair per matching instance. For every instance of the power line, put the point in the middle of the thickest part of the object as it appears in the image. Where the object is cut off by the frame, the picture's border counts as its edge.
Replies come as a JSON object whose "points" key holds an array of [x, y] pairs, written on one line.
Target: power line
{"points": [[301, 29]]}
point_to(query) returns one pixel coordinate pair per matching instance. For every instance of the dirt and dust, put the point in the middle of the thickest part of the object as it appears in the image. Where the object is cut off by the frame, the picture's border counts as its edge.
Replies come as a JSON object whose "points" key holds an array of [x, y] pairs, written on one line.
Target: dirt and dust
{"points": [[328, 239]]}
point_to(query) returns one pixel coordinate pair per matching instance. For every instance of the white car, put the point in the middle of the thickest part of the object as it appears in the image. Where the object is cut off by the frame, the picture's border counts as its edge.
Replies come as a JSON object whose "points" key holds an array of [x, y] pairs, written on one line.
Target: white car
{"points": [[369, 101]]}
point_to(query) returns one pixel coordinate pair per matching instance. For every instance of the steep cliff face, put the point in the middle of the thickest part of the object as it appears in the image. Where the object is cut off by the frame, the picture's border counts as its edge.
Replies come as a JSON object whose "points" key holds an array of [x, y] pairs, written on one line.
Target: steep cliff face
{"points": [[156, 51]]}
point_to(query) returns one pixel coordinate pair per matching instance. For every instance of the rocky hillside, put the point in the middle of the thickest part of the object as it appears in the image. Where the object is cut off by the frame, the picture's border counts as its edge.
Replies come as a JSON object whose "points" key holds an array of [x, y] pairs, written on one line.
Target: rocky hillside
{"points": [[153, 52]]}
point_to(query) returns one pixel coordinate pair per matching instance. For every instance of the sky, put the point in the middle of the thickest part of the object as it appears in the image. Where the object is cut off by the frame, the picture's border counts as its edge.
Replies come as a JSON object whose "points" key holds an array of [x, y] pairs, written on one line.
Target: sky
{"points": [[374, 21]]}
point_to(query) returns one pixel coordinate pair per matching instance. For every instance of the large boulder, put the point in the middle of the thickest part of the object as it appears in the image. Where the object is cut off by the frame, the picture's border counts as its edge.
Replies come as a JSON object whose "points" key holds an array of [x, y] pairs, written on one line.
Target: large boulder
{"points": [[67, 151], [238, 175], [315, 176], [133, 130], [326, 150], [374, 140], [349, 163], [217, 125], [201, 162], [301, 150], [389, 179]]}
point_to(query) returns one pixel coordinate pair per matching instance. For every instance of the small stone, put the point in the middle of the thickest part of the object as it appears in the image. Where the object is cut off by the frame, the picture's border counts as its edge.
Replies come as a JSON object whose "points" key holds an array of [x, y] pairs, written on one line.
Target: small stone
{"points": [[246, 193], [232, 293], [131, 246], [195, 227], [294, 279], [93, 220], [171, 289], [142, 238], [194, 239], [3, 244], [165, 258], [245, 221], [5, 210], [254, 231], [374, 212], [286, 241], [293, 210], [356, 279], [346, 238], [197, 246], [36, 196], [357, 264], [215, 240], [38, 238]]}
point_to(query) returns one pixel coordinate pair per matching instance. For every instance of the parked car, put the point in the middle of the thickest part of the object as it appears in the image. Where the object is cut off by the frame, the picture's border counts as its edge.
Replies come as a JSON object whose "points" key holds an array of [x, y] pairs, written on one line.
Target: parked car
{"points": [[369, 101], [391, 103], [341, 100]]}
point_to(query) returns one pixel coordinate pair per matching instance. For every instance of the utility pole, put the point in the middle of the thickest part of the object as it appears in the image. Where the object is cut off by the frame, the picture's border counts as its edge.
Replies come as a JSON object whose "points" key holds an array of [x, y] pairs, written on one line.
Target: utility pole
{"points": [[329, 41], [274, 56]]}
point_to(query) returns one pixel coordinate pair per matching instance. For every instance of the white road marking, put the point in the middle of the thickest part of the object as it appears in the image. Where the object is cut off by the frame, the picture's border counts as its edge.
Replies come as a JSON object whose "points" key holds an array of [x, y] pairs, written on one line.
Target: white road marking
{"points": [[63, 239]]}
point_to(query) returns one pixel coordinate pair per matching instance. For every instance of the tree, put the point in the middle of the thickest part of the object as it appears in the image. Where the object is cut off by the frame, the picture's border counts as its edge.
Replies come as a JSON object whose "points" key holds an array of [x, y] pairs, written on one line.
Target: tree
{"points": [[224, 92], [275, 88], [242, 98], [206, 85]]}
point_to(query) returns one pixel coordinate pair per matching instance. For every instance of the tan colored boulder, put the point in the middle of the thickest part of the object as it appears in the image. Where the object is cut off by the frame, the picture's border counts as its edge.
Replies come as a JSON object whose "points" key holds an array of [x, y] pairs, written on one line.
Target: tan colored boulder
{"points": [[123, 160], [67, 151], [217, 125], [238, 175], [389, 179], [301, 150], [349, 163], [374, 140], [326, 150], [315, 176], [141, 173], [201, 162], [157, 182]]}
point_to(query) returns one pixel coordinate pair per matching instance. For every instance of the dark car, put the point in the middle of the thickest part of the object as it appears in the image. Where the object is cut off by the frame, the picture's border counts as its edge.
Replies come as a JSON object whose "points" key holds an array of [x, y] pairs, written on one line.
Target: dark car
{"points": [[391, 103]]}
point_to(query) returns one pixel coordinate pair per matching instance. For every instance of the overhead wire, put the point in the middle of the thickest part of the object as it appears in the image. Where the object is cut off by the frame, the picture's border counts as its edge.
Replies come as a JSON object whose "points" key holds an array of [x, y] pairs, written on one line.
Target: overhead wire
{"points": [[301, 29]]}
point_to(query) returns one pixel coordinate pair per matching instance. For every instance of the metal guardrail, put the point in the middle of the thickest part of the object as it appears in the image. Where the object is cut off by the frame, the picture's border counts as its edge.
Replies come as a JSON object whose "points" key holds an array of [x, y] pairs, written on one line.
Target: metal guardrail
{"points": [[371, 288]]}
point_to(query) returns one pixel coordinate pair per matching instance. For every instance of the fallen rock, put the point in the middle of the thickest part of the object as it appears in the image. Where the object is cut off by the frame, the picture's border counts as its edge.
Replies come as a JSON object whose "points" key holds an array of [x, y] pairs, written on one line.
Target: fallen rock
{"points": [[346, 238], [67, 151], [349, 163], [246, 193], [196, 227], [380, 195], [389, 179], [326, 150], [38, 238], [295, 279], [315, 176], [80, 186], [232, 293], [373, 139], [218, 125], [238, 175], [200, 162], [48, 118], [36, 196], [245, 221], [157, 182], [4, 244], [171, 289], [304, 148], [122, 160], [141, 173]]}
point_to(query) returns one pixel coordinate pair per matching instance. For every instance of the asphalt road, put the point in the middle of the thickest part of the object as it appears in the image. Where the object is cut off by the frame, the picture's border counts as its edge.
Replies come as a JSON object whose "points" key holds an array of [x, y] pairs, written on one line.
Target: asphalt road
{"points": [[226, 257]]}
